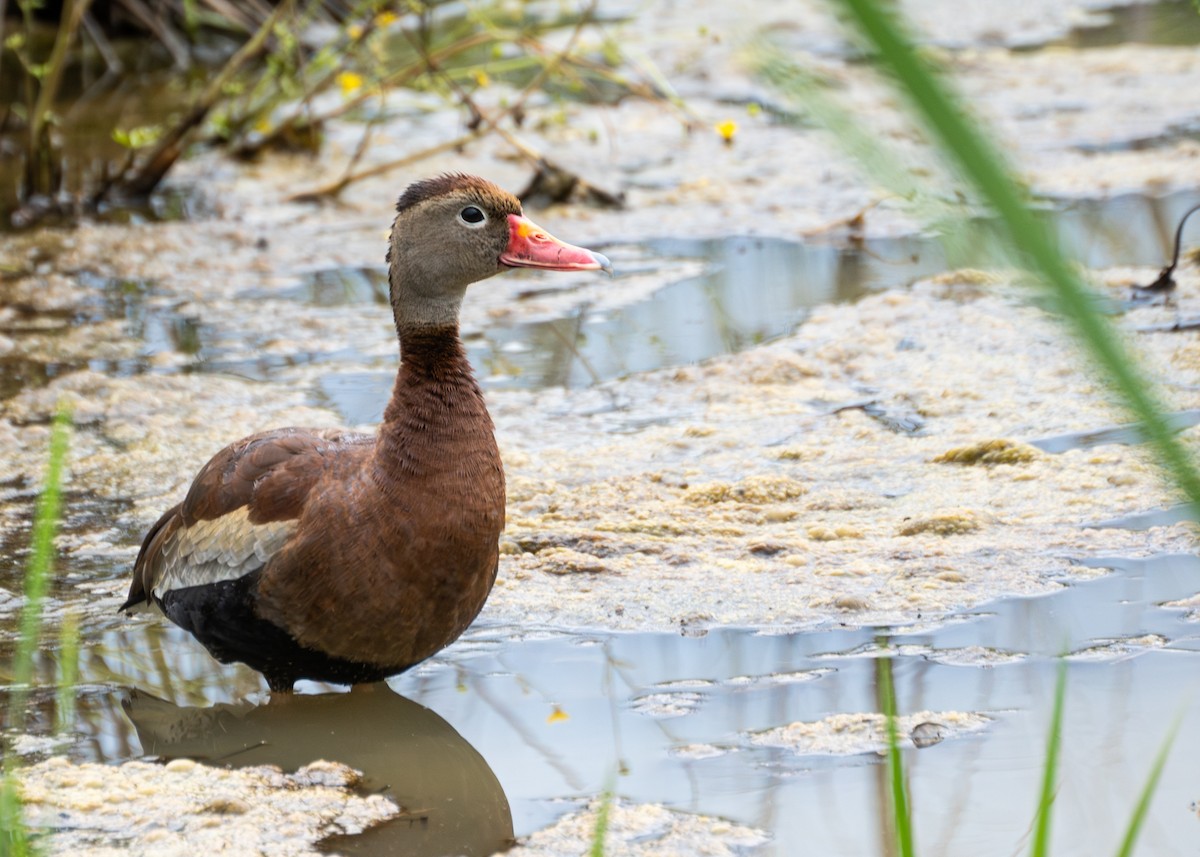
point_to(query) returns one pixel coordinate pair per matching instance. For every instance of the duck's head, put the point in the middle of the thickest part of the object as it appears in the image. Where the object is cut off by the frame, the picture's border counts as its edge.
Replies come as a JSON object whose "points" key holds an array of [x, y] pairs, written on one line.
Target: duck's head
{"points": [[455, 230]]}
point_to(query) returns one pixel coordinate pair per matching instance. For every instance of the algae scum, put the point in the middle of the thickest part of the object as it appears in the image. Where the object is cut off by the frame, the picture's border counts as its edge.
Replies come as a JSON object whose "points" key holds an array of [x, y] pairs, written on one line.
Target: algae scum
{"points": [[773, 733], [733, 739]]}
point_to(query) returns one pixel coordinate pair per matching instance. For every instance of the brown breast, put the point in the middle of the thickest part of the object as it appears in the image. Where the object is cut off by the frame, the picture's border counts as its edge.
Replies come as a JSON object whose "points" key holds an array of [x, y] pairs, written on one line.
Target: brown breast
{"points": [[396, 550]]}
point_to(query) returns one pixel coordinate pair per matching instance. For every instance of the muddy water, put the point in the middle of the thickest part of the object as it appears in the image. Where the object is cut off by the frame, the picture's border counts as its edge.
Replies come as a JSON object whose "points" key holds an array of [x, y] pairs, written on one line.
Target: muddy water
{"points": [[522, 724]]}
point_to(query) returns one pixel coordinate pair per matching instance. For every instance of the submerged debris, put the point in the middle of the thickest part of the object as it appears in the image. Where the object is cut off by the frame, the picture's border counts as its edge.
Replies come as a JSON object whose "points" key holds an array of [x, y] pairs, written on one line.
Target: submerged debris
{"points": [[552, 184], [1166, 277]]}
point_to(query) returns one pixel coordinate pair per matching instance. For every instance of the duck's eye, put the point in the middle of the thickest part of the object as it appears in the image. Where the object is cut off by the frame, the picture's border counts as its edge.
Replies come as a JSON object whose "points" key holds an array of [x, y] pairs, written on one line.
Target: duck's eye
{"points": [[472, 216]]}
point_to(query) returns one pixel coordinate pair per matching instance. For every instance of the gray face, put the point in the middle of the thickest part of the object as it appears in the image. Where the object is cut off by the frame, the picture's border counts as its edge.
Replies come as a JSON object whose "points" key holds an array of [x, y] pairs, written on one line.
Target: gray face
{"points": [[442, 244]]}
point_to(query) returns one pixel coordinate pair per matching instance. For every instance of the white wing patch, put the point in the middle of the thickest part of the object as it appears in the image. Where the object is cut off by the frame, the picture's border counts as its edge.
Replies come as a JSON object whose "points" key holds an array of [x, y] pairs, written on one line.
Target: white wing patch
{"points": [[223, 549]]}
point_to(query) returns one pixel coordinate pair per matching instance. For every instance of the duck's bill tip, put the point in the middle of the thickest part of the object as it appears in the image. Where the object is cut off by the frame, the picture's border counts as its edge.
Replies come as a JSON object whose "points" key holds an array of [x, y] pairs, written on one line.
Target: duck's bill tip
{"points": [[530, 246]]}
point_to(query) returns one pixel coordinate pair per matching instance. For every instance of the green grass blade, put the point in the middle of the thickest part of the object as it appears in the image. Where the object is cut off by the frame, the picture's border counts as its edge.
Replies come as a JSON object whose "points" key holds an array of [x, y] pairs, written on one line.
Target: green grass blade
{"points": [[1041, 831], [982, 164], [900, 812], [68, 671], [1147, 793], [15, 840], [41, 561], [601, 830]]}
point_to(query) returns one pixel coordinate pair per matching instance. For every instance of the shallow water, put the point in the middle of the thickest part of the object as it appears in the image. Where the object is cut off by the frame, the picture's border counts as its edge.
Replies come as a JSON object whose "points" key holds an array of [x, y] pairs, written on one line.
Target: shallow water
{"points": [[670, 719], [496, 701], [750, 291], [753, 290]]}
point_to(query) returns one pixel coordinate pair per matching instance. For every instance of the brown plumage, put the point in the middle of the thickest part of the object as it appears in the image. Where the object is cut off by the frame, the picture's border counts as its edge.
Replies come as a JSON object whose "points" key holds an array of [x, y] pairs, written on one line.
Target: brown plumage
{"points": [[325, 554]]}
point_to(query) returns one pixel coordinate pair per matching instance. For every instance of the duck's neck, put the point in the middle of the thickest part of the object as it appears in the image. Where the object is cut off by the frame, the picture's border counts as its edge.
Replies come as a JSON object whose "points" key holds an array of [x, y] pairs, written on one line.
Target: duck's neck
{"points": [[436, 423]]}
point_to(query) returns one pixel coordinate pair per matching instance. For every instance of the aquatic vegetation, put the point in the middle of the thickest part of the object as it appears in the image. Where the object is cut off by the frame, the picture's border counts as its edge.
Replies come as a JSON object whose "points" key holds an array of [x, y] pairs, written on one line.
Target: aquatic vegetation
{"points": [[963, 144], [15, 838], [999, 451], [944, 524], [286, 71], [966, 150]]}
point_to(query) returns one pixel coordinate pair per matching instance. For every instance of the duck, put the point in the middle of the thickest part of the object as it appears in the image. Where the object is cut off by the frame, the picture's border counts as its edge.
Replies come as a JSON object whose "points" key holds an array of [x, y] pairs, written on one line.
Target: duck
{"points": [[344, 557]]}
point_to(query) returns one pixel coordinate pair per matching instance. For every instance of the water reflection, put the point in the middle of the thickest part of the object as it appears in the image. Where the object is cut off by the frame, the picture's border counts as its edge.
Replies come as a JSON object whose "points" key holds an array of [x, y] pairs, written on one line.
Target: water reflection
{"points": [[751, 290], [673, 718], [451, 801]]}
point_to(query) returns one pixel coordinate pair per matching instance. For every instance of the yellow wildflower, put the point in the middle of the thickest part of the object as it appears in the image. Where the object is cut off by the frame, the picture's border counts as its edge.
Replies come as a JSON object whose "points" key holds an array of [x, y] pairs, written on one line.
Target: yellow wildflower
{"points": [[557, 716], [481, 77], [385, 18], [350, 82], [727, 129], [355, 31]]}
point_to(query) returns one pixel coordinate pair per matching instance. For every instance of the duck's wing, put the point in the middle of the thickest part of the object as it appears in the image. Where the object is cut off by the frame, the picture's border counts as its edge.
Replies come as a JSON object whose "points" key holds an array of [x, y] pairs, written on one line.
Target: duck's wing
{"points": [[241, 509]]}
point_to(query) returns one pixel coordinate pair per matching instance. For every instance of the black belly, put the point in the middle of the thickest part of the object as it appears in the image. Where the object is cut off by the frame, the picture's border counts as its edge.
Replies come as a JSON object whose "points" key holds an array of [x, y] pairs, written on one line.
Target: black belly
{"points": [[221, 616]]}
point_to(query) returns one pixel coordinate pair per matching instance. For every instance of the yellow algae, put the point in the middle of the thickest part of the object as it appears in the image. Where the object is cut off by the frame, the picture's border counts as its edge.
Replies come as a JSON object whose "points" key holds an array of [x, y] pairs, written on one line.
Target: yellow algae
{"points": [[567, 561], [945, 524], [649, 527], [999, 451], [759, 490], [770, 489], [710, 493], [780, 515], [767, 548], [782, 368], [796, 453], [965, 277], [822, 533]]}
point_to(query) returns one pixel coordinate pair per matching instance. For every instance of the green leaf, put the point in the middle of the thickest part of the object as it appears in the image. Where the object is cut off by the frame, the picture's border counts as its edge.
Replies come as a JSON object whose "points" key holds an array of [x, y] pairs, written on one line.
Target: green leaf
{"points": [[137, 138]]}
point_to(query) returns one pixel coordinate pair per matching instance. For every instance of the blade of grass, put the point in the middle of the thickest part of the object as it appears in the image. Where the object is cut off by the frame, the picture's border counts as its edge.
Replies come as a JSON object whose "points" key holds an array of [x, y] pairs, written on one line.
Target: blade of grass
{"points": [[15, 839], [900, 812], [41, 563], [981, 163], [1041, 832], [601, 830], [1147, 793], [68, 671]]}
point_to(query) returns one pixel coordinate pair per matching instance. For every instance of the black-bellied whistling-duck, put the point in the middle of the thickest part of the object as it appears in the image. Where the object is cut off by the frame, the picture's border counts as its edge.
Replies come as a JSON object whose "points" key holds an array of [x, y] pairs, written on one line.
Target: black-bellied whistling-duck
{"points": [[342, 557]]}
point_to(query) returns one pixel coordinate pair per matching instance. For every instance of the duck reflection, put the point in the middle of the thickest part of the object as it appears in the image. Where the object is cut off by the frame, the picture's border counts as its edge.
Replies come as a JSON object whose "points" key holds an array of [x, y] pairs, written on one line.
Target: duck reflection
{"points": [[451, 802]]}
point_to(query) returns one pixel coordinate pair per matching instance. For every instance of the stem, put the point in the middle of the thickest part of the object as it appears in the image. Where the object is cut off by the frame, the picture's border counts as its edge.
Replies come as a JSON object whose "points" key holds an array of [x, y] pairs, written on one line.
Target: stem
{"points": [[72, 15]]}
